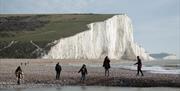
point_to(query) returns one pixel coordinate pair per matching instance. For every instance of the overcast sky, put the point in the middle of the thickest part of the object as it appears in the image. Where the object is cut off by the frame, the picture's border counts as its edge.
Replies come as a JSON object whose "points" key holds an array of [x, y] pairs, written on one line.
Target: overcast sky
{"points": [[156, 22]]}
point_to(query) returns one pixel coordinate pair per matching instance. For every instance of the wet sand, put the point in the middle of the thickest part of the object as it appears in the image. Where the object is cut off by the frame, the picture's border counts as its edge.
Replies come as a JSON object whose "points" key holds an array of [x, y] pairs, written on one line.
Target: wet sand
{"points": [[41, 73]]}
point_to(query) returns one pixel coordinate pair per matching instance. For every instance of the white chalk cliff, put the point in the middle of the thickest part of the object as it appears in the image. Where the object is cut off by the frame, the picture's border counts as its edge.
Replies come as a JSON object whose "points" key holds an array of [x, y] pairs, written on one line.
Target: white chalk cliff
{"points": [[112, 37]]}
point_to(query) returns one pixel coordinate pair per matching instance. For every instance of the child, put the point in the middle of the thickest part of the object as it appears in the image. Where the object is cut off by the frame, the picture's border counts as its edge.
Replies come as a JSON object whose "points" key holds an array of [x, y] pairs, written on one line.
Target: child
{"points": [[83, 71]]}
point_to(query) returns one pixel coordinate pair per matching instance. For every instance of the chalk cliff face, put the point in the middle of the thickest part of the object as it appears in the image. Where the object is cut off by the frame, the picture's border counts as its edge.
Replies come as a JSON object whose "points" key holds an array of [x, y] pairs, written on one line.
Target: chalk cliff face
{"points": [[112, 37]]}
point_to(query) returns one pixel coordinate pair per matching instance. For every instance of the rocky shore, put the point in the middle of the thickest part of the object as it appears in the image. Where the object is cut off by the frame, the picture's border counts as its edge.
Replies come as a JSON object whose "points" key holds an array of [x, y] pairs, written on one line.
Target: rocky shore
{"points": [[41, 73]]}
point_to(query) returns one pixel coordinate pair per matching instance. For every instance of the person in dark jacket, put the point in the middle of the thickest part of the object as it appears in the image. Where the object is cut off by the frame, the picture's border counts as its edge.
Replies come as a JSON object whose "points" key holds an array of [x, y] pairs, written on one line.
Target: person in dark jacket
{"points": [[83, 71], [19, 74], [58, 70], [139, 66], [106, 65]]}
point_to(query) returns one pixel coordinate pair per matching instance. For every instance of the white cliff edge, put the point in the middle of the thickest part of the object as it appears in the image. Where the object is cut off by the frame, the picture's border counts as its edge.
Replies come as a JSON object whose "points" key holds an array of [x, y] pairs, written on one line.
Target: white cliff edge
{"points": [[112, 37]]}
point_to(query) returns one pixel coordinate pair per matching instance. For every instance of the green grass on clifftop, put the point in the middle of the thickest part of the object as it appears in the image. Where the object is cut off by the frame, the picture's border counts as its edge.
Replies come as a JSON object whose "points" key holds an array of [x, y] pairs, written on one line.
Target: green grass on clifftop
{"points": [[45, 27], [17, 31]]}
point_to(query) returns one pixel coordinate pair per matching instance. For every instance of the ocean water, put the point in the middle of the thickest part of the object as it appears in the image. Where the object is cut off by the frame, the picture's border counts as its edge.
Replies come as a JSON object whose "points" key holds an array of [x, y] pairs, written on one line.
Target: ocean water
{"points": [[154, 69], [156, 66], [95, 88], [159, 66]]}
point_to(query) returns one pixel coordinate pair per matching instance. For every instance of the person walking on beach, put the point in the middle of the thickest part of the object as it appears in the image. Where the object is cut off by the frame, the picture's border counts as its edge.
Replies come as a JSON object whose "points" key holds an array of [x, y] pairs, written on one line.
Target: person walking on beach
{"points": [[139, 66], [83, 71], [106, 65], [19, 74], [58, 70]]}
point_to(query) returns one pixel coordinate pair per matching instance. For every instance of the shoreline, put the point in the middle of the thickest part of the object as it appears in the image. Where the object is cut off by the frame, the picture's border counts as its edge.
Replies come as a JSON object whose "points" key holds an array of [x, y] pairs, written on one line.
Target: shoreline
{"points": [[41, 74]]}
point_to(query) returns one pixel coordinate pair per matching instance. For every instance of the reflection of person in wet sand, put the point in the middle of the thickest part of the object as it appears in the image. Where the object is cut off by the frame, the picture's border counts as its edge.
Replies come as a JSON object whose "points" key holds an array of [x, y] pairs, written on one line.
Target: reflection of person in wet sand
{"points": [[83, 71], [106, 65], [139, 66], [19, 74]]}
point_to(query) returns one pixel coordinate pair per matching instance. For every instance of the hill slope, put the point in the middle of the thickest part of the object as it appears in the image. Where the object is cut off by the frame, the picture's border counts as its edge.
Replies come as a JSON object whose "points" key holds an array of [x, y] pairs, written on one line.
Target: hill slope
{"points": [[45, 27], [28, 36]]}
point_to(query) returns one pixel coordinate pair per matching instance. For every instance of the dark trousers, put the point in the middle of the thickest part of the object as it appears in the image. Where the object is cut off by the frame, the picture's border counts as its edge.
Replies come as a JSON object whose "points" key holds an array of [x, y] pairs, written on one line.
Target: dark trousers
{"points": [[139, 70], [18, 81], [58, 75], [83, 77], [106, 72]]}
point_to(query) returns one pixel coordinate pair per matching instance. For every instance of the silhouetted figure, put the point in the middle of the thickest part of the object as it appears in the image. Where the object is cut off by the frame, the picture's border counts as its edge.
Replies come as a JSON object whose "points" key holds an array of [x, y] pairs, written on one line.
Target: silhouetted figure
{"points": [[139, 66], [106, 65], [83, 71], [19, 74], [58, 70]]}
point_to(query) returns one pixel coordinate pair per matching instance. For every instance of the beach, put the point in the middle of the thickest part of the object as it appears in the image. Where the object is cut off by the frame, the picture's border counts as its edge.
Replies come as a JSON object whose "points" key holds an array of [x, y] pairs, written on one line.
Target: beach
{"points": [[39, 73]]}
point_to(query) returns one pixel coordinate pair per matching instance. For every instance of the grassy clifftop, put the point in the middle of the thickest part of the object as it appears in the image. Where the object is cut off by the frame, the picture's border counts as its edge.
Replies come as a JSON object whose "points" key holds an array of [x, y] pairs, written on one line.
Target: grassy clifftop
{"points": [[17, 31], [45, 27]]}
